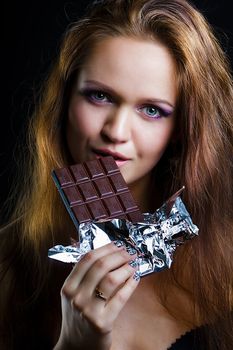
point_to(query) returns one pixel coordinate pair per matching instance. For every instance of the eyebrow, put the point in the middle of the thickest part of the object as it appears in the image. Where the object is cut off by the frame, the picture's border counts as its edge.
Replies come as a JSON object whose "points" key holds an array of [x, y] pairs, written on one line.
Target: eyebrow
{"points": [[112, 92]]}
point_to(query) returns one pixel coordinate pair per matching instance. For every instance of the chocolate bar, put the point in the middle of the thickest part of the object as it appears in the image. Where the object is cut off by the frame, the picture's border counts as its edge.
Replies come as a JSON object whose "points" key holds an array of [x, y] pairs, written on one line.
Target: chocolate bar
{"points": [[95, 190], [155, 240]]}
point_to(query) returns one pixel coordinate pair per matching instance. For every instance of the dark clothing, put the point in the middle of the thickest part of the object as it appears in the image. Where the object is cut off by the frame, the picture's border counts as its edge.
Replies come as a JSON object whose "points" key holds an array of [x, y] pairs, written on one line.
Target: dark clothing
{"points": [[189, 341]]}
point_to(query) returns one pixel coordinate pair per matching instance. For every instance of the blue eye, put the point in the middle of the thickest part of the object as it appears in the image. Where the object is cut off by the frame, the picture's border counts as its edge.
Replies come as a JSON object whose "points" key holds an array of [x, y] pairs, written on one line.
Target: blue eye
{"points": [[98, 96], [152, 112]]}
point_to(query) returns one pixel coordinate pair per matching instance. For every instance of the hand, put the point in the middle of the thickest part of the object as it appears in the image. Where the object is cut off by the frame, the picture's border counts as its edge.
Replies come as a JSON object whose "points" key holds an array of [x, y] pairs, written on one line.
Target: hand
{"points": [[94, 294]]}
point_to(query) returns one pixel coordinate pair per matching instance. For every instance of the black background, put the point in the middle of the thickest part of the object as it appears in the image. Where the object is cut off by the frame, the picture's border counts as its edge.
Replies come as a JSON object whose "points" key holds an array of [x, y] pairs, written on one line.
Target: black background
{"points": [[30, 41]]}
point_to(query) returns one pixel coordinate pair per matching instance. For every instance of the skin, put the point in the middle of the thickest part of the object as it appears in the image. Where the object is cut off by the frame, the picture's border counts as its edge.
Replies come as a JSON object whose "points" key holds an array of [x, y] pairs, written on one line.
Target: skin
{"points": [[111, 109]]}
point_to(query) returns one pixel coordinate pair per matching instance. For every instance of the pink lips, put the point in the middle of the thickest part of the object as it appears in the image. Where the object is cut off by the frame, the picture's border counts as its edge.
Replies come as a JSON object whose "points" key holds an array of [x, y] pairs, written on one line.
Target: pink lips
{"points": [[103, 152]]}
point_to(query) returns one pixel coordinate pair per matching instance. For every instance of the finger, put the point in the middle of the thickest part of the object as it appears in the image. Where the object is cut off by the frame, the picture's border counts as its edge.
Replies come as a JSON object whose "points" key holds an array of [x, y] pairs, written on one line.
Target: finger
{"points": [[110, 310], [115, 279], [90, 301], [81, 268], [118, 301], [101, 268]]}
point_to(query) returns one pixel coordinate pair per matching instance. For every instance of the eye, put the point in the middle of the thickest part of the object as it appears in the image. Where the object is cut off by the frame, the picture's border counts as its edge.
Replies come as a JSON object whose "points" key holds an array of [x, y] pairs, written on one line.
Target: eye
{"points": [[152, 112], [96, 96]]}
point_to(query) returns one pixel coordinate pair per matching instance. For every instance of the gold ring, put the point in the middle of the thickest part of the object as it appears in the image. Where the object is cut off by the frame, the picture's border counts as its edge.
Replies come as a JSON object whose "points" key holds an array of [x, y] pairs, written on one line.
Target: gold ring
{"points": [[99, 294]]}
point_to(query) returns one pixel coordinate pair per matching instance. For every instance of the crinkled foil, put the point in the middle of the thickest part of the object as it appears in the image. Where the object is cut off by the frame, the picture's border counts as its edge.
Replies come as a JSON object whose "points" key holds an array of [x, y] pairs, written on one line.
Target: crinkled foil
{"points": [[155, 239]]}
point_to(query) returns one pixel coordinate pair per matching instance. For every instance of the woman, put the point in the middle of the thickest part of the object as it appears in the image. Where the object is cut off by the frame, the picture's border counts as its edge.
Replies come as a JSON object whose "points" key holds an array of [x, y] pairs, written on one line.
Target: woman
{"points": [[147, 82]]}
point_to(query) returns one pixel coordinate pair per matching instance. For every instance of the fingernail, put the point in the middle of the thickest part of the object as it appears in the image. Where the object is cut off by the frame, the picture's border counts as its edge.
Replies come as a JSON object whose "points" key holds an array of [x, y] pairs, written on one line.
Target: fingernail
{"points": [[133, 263], [119, 243], [136, 276], [131, 251]]}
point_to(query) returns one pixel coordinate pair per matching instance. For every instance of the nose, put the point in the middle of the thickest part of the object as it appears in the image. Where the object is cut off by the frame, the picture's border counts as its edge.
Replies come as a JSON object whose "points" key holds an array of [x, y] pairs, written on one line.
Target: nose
{"points": [[117, 127]]}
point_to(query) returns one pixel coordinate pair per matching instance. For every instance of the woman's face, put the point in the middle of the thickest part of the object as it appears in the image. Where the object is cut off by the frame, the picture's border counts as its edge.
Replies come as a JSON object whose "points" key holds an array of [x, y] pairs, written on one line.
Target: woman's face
{"points": [[122, 105]]}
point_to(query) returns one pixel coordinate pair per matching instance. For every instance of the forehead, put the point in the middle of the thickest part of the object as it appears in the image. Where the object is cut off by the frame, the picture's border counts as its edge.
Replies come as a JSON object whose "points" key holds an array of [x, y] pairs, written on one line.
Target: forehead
{"points": [[142, 65]]}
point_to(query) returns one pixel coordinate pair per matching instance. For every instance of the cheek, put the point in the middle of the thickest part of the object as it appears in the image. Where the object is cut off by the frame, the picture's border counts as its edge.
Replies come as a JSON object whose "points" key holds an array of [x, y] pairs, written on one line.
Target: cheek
{"points": [[82, 119], [155, 140]]}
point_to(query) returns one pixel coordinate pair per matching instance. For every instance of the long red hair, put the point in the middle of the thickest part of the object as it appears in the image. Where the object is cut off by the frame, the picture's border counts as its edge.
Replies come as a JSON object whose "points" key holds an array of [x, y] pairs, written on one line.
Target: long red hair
{"points": [[201, 159]]}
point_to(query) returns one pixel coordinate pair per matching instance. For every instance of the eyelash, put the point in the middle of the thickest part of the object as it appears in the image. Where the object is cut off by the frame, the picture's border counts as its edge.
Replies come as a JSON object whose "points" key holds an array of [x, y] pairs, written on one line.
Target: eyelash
{"points": [[89, 95], [159, 110]]}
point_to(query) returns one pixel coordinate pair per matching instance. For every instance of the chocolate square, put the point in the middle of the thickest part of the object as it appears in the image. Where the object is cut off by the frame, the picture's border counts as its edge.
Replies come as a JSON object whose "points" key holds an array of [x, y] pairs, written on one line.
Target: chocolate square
{"points": [[96, 190]]}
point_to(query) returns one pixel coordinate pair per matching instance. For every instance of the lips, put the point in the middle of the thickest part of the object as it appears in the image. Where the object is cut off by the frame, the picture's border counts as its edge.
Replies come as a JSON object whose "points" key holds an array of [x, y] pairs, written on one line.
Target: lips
{"points": [[103, 152]]}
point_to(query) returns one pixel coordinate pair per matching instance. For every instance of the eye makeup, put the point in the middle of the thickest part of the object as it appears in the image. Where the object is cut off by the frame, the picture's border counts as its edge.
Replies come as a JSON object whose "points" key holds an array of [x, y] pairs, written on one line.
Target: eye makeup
{"points": [[154, 112], [96, 95], [150, 109]]}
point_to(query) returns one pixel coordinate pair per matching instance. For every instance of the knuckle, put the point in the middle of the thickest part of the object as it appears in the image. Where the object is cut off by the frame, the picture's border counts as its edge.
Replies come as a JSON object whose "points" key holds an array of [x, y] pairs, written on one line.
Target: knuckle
{"points": [[76, 303], [101, 264], [66, 291], [98, 322], [101, 326], [111, 280], [88, 257]]}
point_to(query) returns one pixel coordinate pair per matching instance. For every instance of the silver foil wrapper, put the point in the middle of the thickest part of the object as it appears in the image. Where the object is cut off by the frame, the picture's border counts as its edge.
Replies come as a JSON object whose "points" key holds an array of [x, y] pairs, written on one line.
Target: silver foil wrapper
{"points": [[155, 239]]}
